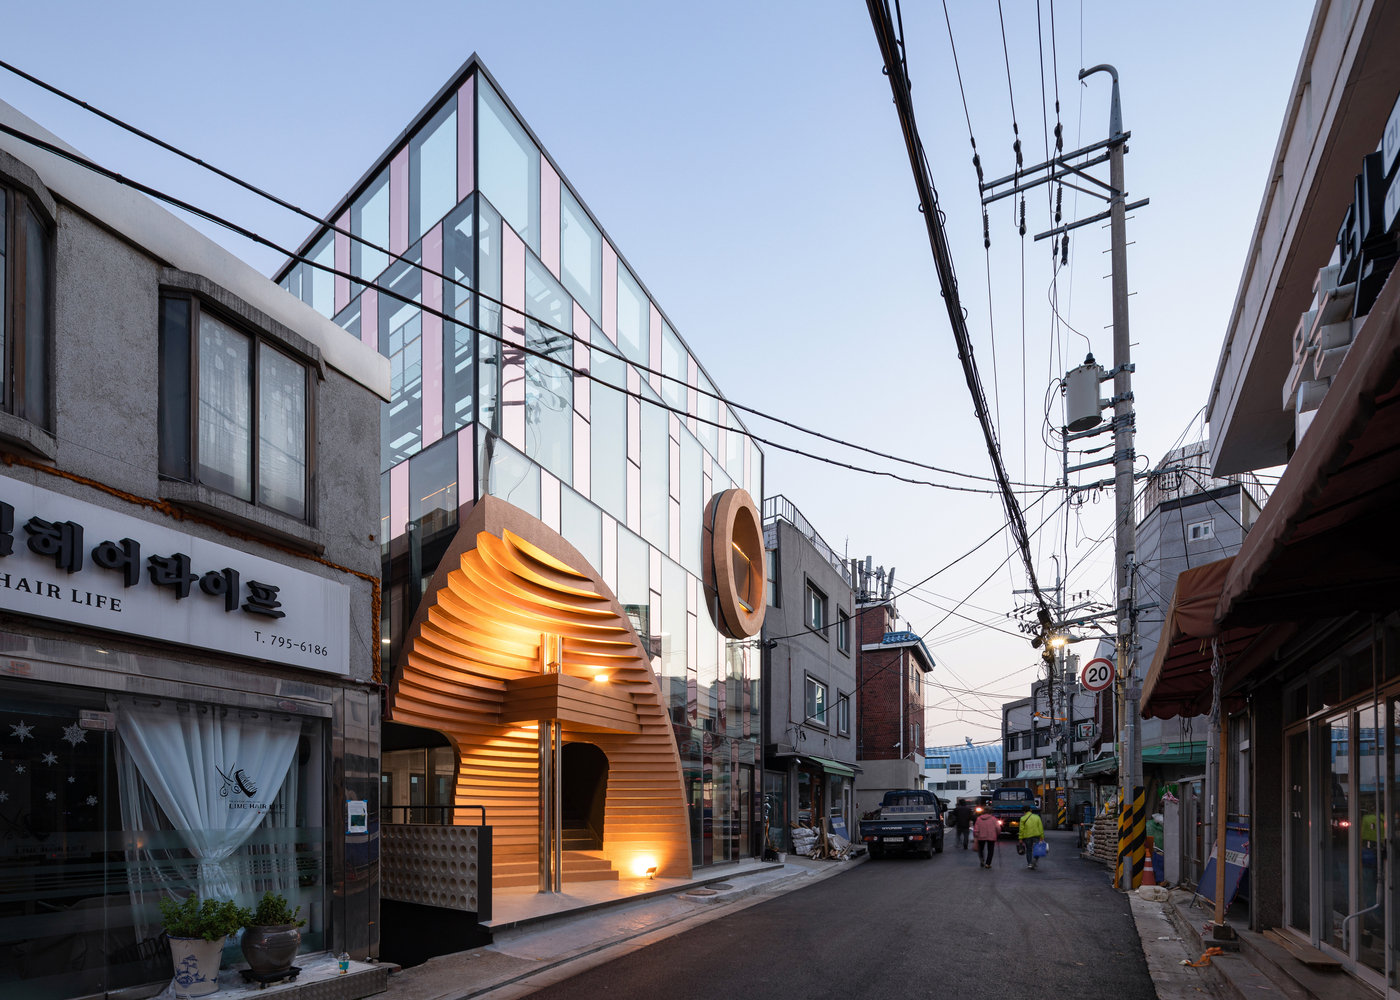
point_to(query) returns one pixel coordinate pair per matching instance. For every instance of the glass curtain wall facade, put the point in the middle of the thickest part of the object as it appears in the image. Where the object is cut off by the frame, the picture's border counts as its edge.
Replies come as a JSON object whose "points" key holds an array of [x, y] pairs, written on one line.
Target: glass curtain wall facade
{"points": [[526, 363]]}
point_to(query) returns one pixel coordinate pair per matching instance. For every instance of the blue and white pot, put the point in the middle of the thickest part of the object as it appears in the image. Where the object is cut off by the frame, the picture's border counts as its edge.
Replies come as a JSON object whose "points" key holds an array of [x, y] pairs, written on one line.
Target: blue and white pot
{"points": [[196, 966]]}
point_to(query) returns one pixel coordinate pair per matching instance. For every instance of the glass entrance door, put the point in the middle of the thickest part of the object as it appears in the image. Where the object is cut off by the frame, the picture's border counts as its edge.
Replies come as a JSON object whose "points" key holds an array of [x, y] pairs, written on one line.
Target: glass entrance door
{"points": [[1336, 846], [1368, 927]]}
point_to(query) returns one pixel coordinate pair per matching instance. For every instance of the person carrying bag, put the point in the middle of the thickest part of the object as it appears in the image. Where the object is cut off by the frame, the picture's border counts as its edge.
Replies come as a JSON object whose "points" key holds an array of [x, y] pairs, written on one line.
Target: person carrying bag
{"points": [[1032, 837]]}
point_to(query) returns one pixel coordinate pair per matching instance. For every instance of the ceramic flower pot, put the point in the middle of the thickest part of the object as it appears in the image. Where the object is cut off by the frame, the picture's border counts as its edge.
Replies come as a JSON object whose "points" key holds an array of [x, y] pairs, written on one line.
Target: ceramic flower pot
{"points": [[196, 966], [270, 948]]}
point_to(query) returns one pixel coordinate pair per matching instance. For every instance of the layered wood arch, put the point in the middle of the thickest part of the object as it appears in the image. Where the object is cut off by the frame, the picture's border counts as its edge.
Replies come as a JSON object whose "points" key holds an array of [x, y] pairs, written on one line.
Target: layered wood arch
{"points": [[472, 667]]}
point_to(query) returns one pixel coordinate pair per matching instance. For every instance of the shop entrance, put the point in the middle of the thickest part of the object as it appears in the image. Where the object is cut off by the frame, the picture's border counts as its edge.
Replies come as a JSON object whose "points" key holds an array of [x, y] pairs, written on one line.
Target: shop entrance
{"points": [[583, 788]]}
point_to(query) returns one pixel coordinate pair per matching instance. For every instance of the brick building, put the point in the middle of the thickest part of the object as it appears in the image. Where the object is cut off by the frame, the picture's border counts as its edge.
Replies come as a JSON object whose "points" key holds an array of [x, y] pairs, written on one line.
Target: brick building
{"points": [[890, 669]]}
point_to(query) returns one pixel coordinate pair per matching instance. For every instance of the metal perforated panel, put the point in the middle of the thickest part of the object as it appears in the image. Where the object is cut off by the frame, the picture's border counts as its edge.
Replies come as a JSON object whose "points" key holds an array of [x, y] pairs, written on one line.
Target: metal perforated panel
{"points": [[447, 866]]}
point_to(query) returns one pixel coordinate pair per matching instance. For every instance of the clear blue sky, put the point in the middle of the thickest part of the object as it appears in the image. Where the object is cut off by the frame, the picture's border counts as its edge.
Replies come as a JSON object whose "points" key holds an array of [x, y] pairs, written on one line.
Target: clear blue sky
{"points": [[747, 160]]}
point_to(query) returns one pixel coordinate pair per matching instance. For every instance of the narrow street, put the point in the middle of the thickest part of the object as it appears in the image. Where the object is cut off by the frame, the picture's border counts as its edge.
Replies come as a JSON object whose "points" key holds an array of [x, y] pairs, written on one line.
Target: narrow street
{"points": [[905, 928]]}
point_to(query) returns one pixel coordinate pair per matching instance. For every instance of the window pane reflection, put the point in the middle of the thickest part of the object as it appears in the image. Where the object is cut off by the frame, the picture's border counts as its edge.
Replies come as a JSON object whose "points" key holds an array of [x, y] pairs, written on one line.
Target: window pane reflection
{"points": [[673, 364], [581, 524], [432, 489], [514, 478], [608, 425], [225, 408], [633, 318], [549, 407], [432, 171], [369, 220], [633, 582], [692, 501], [656, 459], [401, 341], [281, 432], [488, 379], [580, 255], [508, 166], [458, 264]]}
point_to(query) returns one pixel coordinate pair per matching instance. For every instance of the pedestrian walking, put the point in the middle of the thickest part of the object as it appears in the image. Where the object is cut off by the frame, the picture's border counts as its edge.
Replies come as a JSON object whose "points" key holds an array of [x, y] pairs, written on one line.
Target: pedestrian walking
{"points": [[1032, 832], [962, 819], [986, 830]]}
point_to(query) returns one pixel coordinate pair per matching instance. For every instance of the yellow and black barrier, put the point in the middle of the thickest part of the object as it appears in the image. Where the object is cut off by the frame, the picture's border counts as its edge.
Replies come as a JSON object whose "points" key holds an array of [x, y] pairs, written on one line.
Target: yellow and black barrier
{"points": [[1063, 815], [1137, 837]]}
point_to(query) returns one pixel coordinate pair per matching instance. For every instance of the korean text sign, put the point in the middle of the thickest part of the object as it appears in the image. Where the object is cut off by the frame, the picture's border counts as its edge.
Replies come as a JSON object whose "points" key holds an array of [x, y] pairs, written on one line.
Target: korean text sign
{"points": [[76, 562]]}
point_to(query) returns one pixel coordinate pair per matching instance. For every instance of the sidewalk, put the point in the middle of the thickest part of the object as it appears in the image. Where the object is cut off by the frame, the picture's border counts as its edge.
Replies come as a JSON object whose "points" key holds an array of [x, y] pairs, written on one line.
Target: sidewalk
{"points": [[528, 956]]}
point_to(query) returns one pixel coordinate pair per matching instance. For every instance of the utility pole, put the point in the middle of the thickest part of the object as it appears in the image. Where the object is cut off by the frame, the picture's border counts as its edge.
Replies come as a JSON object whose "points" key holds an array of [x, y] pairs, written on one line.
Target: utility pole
{"points": [[1124, 456]]}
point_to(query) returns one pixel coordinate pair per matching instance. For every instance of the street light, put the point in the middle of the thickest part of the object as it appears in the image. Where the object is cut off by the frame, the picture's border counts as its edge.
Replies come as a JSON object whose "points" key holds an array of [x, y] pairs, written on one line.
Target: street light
{"points": [[1058, 640]]}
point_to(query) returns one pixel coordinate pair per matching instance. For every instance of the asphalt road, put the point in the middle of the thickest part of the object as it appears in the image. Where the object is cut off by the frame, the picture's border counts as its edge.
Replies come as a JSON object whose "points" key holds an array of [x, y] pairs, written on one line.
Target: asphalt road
{"points": [[904, 928]]}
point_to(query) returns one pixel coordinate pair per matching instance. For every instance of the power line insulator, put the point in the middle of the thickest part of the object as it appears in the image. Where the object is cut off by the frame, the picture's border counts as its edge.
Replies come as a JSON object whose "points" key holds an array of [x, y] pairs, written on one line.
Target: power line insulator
{"points": [[1064, 250], [986, 231], [1023, 215], [977, 163], [1059, 200], [1059, 132], [1017, 147]]}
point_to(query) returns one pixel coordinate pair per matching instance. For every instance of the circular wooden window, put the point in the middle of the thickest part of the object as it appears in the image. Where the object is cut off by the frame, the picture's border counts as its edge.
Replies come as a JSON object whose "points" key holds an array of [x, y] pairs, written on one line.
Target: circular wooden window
{"points": [[735, 567]]}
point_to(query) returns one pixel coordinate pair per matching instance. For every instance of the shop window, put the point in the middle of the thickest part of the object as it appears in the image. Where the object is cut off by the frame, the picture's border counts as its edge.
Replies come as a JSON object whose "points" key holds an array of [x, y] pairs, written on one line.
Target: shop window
{"points": [[549, 384], [432, 170], [633, 318], [177, 798], [843, 714], [816, 611], [369, 221], [816, 701], [508, 165], [843, 631], [233, 410], [580, 255], [608, 427]]}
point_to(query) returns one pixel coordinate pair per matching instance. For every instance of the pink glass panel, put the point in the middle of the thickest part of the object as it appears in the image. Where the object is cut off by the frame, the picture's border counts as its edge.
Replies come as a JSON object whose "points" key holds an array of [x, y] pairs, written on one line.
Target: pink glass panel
{"points": [[369, 317], [549, 218], [398, 499], [398, 202], [432, 336], [675, 533], [549, 499], [610, 291], [634, 500], [583, 450], [466, 466], [583, 392], [654, 362], [342, 263], [513, 359], [466, 120]]}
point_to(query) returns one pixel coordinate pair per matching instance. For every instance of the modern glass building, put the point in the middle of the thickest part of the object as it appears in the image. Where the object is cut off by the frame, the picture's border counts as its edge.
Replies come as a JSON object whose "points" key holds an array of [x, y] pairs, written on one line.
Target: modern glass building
{"points": [[527, 364]]}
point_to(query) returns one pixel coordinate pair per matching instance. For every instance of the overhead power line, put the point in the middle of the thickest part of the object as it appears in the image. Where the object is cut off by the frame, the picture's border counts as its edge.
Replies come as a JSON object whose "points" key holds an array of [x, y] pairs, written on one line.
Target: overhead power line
{"points": [[402, 257], [890, 47]]}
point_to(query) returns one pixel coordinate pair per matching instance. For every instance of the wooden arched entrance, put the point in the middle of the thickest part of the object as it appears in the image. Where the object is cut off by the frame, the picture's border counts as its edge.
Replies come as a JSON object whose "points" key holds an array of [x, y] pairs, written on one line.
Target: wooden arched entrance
{"points": [[517, 627]]}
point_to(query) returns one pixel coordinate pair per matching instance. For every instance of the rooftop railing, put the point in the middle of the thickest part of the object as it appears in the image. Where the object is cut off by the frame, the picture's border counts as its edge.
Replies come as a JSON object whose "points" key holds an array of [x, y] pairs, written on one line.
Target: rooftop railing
{"points": [[781, 508]]}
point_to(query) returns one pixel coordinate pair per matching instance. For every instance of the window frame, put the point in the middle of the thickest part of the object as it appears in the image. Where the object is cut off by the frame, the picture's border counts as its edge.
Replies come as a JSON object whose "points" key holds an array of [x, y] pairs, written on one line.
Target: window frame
{"points": [[19, 203], [843, 713], [809, 717], [199, 304], [772, 569], [1207, 529], [816, 600], [955, 768], [843, 631]]}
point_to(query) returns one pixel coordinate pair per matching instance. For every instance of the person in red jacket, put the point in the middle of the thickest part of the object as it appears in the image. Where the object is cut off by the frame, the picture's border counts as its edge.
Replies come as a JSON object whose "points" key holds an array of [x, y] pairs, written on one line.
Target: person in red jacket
{"points": [[986, 830]]}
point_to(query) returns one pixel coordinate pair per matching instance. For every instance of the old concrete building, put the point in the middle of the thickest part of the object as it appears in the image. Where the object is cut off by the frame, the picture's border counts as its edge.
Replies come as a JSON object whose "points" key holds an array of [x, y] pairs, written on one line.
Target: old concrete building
{"points": [[809, 680], [188, 590]]}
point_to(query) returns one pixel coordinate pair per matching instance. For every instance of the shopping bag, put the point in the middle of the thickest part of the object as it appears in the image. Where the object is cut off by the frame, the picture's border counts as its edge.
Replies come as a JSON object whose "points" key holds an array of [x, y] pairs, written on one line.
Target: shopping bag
{"points": [[1020, 847], [1040, 849]]}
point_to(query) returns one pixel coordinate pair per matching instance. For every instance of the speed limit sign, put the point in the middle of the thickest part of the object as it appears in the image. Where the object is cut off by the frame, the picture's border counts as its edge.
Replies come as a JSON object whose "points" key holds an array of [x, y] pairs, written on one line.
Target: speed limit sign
{"points": [[1097, 675]]}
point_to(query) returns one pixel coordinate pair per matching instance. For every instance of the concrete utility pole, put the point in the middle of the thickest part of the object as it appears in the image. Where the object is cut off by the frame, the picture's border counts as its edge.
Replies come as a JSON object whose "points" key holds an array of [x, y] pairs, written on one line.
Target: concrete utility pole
{"points": [[1124, 456]]}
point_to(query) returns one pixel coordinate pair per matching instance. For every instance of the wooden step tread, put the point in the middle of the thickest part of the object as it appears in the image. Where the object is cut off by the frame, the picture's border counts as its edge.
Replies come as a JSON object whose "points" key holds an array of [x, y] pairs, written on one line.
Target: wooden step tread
{"points": [[1301, 950]]}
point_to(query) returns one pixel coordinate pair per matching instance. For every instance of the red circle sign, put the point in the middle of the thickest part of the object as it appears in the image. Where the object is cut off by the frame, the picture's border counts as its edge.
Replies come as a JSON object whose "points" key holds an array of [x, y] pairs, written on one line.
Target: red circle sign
{"points": [[1097, 675]]}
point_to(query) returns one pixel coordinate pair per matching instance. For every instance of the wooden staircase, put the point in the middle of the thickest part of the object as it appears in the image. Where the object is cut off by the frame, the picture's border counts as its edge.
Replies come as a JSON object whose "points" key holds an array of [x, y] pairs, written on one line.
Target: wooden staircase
{"points": [[579, 866]]}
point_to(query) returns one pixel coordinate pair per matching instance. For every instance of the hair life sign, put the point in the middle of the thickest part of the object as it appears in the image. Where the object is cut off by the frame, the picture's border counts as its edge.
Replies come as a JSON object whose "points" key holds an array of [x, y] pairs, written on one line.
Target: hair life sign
{"points": [[85, 565]]}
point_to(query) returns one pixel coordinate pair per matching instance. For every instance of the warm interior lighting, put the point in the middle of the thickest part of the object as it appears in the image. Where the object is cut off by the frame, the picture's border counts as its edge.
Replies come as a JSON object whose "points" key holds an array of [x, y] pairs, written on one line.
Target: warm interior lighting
{"points": [[603, 678], [742, 573]]}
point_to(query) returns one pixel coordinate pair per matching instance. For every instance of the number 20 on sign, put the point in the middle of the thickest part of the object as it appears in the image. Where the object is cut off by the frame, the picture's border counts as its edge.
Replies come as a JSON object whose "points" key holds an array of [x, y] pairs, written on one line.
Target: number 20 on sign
{"points": [[1097, 675]]}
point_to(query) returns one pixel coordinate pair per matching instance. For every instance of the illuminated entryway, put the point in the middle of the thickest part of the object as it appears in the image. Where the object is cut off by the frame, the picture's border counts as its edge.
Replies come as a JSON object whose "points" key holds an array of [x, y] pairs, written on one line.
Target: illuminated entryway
{"points": [[518, 640]]}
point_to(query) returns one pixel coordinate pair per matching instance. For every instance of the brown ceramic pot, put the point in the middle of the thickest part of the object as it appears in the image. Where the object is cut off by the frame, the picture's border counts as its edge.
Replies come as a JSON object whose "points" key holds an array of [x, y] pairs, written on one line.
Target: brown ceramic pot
{"points": [[270, 948]]}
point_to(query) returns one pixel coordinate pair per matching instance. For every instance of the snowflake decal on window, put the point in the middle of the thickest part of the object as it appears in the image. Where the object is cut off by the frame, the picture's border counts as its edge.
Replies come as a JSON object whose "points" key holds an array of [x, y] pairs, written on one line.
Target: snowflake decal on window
{"points": [[50, 759], [74, 734], [92, 800], [19, 769], [50, 796], [71, 779], [4, 796], [21, 732]]}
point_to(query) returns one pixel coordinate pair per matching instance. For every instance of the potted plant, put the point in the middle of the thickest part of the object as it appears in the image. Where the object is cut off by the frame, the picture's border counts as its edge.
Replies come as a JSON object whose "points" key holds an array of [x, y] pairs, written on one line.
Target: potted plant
{"points": [[197, 930], [271, 939]]}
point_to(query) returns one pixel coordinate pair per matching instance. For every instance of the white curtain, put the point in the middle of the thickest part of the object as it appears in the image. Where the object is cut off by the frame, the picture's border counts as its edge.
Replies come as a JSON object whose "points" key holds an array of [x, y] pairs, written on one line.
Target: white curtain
{"points": [[214, 772]]}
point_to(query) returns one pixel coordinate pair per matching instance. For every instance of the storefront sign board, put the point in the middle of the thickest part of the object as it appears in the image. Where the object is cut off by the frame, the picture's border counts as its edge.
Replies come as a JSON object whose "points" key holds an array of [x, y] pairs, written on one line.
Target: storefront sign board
{"points": [[75, 562]]}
